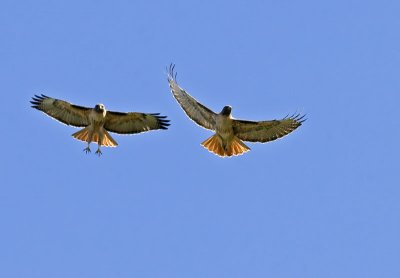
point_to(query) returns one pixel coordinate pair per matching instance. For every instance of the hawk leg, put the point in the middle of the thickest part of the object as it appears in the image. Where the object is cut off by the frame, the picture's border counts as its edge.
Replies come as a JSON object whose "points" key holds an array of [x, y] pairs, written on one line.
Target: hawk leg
{"points": [[99, 140], [87, 149]]}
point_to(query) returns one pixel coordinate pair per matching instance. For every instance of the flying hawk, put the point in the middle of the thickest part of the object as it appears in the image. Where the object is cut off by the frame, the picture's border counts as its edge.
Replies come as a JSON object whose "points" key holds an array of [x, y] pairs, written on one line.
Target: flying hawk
{"points": [[98, 121], [230, 132]]}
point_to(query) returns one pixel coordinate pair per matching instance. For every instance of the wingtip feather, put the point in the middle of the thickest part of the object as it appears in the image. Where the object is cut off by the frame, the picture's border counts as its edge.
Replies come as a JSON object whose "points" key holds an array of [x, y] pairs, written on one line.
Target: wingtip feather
{"points": [[171, 73], [39, 99], [297, 117]]}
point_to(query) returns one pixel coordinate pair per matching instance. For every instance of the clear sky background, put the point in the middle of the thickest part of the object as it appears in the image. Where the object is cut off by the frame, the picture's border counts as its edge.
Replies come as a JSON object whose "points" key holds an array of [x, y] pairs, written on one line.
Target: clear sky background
{"points": [[321, 202]]}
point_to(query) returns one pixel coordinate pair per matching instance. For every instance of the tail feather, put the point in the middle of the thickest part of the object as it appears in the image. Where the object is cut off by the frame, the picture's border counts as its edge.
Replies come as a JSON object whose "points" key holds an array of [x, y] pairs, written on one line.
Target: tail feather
{"points": [[84, 135], [108, 141], [214, 145]]}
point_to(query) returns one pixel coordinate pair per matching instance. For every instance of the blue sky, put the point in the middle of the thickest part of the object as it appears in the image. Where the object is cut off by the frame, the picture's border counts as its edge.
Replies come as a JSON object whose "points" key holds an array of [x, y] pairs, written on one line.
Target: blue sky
{"points": [[321, 202]]}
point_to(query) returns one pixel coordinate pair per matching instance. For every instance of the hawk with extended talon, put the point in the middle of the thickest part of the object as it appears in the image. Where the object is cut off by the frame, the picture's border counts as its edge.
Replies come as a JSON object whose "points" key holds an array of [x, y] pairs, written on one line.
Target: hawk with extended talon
{"points": [[229, 132], [97, 121]]}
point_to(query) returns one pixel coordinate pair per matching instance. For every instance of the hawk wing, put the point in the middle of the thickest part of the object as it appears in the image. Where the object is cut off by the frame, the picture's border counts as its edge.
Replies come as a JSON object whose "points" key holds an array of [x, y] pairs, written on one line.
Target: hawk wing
{"points": [[266, 131], [62, 111], [133, 122], [193, 109]]}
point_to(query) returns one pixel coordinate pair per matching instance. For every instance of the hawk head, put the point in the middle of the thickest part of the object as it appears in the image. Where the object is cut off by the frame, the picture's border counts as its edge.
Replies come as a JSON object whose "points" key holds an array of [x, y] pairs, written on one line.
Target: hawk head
{"points": [[226, 111], [99, 108]]}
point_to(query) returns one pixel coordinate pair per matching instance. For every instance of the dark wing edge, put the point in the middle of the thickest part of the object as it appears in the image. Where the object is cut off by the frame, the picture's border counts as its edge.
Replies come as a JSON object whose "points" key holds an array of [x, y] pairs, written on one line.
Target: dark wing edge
{"points": [[161, 121], [122, 123], [297, 117], [38, 100], [266, 131], [62, 111], [197, 112]]}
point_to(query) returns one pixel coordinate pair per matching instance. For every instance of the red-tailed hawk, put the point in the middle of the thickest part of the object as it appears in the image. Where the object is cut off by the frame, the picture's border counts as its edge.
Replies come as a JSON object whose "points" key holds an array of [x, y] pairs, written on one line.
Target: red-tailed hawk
{"points": [[98, 121], [230, 132]]}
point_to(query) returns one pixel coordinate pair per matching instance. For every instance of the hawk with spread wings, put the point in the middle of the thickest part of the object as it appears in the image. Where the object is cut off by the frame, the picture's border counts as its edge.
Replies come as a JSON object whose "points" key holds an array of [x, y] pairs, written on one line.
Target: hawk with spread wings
{"points": [[97, 121], [229, 132]]}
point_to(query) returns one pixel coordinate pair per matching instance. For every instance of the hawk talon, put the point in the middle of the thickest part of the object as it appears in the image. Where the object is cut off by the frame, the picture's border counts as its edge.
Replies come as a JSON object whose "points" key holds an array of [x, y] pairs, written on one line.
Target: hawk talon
{"points": [[87, 150], [98, 152]]}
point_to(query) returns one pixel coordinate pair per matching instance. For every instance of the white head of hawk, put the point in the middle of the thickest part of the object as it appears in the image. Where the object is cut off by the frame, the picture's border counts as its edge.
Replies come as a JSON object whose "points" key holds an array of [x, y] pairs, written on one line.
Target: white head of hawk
{"points": [[229, 132], [98, 121]]}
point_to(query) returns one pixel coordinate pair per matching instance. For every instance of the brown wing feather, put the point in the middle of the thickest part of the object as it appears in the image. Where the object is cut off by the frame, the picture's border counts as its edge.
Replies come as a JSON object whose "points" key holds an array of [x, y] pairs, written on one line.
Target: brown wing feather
{"points": [[133, 122], [62, 111], [193, 109], [266, 131]]}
